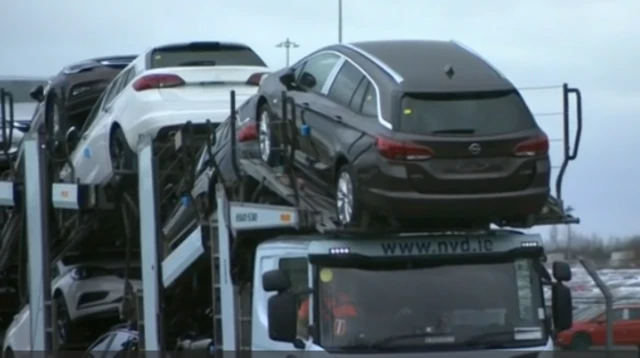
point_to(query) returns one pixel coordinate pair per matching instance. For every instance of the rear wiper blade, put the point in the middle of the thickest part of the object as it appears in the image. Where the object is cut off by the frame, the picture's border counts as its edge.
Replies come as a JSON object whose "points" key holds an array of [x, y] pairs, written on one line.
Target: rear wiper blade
{"points": [[455, 131]]}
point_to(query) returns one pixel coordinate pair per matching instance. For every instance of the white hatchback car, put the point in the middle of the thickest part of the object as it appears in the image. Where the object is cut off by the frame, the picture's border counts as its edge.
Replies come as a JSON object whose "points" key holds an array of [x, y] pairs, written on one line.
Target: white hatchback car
{"points": [[157, 94], [84, 292]]}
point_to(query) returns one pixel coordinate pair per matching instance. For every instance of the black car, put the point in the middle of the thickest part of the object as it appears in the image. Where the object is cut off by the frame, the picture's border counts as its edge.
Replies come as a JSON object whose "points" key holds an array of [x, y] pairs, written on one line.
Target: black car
{"points": [[411, 129], [184, 216], [73, 92], [75, 89]]}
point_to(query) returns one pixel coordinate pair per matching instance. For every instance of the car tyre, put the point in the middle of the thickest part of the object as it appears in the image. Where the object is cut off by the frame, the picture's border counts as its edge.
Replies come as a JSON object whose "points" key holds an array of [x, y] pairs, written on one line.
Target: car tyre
{"points": [[267, 140], [119, 151], [580, 342], [63, 320], [348, 208]]}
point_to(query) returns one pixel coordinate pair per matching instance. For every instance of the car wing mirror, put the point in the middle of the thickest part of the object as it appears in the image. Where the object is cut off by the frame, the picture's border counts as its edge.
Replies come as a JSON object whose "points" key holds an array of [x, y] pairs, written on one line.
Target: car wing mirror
{"points": [[307, 80], [37, 93], [288, 79]]}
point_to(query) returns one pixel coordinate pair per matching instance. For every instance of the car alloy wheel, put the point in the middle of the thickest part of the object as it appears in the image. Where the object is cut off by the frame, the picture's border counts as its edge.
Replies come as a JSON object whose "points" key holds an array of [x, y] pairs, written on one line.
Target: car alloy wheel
{"points": [[344, 198], [263, 136]]}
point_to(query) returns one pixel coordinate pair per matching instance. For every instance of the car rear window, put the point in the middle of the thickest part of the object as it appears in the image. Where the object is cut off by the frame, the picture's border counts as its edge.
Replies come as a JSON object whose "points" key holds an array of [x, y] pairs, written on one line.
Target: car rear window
{"points": [[205, 55], [480, 113]]}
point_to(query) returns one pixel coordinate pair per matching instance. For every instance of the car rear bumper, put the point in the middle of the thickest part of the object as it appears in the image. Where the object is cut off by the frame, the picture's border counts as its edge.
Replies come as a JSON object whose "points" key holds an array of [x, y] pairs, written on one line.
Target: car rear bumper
{"points": [[486, 206]]}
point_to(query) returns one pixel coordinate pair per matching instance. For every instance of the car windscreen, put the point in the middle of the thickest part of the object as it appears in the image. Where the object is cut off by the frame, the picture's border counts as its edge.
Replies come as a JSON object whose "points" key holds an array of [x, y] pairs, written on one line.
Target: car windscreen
{"points": [[410, 307], [478, 113], [205, 55]]}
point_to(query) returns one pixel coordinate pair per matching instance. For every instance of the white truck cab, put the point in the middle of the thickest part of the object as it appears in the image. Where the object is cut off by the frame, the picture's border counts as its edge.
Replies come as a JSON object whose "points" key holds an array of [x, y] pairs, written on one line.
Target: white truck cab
{"points": [[415, 294]]}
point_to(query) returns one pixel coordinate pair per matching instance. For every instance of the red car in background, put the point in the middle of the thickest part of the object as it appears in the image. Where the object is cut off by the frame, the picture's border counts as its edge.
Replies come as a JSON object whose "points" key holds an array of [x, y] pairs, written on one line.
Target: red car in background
{"points": [[590, 328]]}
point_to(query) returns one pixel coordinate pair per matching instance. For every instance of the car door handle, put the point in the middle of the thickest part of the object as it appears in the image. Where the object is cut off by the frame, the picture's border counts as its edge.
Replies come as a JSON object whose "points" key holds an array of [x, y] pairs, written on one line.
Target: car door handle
{"points": [[305, 104], [338, 118]]}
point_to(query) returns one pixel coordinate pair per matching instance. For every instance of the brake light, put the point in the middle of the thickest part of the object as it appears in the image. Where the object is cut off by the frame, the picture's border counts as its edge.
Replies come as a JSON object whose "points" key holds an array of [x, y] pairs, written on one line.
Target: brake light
{"points": [[157, 81], [256, 78], [402, 151], [248, 132], [532, 147]]}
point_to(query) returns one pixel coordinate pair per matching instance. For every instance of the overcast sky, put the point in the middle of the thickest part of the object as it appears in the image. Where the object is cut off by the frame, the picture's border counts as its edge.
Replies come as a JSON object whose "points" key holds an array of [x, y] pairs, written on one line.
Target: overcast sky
{"points": [[590, 44]]}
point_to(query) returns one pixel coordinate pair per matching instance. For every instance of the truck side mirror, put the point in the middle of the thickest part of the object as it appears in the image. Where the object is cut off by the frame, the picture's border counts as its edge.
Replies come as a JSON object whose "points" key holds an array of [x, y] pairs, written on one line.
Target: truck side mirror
{"points": [[561, 271], [37, 93], [282, 314], [275, 281], [562, 307], [72, 137]]}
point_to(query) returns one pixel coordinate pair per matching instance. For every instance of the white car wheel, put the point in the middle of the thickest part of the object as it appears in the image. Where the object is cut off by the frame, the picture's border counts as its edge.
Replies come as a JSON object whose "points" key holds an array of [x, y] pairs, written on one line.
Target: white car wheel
{"points": [[344, 198]]}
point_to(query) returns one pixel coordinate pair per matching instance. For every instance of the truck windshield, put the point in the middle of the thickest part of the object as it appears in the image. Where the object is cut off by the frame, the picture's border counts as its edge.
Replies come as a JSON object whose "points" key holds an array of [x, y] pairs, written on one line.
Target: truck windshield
{"points": [[416, 308]]}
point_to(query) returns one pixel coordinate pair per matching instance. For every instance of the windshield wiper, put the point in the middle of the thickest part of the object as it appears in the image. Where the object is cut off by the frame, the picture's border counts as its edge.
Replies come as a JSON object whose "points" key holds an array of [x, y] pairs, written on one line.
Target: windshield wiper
{"points": [[385, 341], [455, 131]]}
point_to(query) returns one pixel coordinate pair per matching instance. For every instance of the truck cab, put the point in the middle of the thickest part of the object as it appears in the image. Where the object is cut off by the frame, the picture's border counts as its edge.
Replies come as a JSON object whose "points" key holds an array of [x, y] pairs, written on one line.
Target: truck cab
{"points": [[418, 293]]}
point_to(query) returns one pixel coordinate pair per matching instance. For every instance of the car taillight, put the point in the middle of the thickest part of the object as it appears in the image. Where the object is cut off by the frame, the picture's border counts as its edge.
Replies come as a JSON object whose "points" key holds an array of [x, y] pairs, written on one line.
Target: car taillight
{"points": [[402, 151], [532, 147], [157, 81], [256, 78], [248, 132]]}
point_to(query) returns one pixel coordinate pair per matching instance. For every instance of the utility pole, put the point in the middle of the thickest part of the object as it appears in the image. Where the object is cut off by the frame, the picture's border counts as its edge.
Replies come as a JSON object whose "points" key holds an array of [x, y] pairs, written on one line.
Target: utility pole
{"points": [[287, 45], [340, 21]]}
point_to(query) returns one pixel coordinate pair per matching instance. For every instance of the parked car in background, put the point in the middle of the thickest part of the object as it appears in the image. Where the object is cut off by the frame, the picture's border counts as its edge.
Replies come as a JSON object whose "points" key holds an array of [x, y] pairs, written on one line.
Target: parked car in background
{"points": [[88, 297], [589, 328], [156, 94], [413, 128]]}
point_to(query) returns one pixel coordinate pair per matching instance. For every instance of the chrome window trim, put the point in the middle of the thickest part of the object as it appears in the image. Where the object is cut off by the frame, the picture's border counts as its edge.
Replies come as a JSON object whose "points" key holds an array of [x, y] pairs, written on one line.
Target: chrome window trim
{"points": [[328, 84], [395, 75]]}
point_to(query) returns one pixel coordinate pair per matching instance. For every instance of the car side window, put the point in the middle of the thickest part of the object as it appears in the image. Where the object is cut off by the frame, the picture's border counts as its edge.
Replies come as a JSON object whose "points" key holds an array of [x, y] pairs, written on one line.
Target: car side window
{"points": [[297, 70], [316, 71], [618, 314], [112, 91], [298, 270], [634, 314], [345, 84], [131, 74], [370, 102], [99, 347], [93, 114], [358, 96]]}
